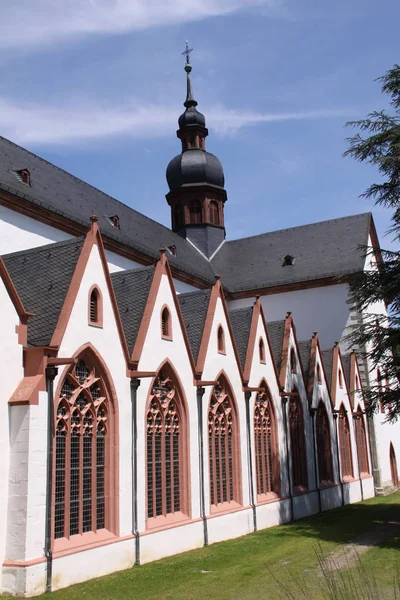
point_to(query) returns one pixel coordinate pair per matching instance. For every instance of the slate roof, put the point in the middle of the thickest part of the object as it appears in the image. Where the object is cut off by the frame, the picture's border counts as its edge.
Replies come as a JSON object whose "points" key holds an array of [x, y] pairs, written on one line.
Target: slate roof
{"points": [[276, 330], [305, 357], [346, 368], [42, 277], [64, 194], [131, 290], [325, 249], [241, 323], [194, 306], [327, 359]]}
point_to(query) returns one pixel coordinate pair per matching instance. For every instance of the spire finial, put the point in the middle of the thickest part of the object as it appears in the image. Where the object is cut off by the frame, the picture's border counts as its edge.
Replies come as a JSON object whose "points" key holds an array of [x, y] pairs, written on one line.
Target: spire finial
{"points": [[190, 101]]}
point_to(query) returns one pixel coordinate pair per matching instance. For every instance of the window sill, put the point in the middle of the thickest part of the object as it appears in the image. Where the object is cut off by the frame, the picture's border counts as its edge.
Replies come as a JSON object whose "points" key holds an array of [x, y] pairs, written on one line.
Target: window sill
{"points": [[224, 507], [268, 498], [164, 522], [300, 489], [96, 325], [166, 338], [326, 484], [222, 352], [365, 475], [80, 542], [348, 479]]}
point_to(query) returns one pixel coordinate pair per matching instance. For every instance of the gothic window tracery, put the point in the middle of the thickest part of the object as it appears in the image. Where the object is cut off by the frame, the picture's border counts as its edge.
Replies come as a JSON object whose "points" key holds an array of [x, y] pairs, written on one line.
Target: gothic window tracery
{"points": [[297, 442], [346, 460], [81, 452], [361, 441], [223, 446], [324, 450], [267, 467], [165, 463]]}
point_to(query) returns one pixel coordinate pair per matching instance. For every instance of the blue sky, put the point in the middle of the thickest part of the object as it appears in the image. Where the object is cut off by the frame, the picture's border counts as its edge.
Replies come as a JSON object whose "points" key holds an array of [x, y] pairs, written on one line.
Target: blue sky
{"points": [[96, 86]]}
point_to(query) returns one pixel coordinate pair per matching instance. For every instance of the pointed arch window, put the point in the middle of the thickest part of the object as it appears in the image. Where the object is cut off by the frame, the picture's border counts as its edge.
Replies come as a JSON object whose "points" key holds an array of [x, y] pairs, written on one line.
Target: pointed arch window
{"points": [[221, 340], [214, 213], [293, 361], [346, 459], [223, 446], [261, 350], [340, 378], [319, 375], [324, 449], [361, 441], [166, 325], [85, 453], [297, 443], [95, 308], [167, 478], [265, 443], [196, 217], [393, 466]]}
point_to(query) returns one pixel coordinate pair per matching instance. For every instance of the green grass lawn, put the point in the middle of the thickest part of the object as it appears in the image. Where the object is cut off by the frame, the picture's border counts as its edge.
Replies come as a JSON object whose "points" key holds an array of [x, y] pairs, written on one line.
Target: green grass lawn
{"points": [[245, 568]]}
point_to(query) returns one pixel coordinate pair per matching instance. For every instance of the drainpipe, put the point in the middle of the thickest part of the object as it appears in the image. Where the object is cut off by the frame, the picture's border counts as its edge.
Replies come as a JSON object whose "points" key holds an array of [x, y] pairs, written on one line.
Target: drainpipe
{"points": [[247, 396], [355, 417], [200, 393], [312, 414], [51, 374], [335, 416], [135, 383], [285, 424]]}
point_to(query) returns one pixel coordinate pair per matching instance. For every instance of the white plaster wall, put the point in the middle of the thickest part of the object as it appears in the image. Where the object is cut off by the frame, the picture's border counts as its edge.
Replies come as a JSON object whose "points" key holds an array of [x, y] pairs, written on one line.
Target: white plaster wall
{"points": [[183, 288], [321, 309], [11, 373], [214, 363], [155, 351], [273, 513], [171, 541], [120, 263], [305, 505], [18, 232], [266, 371], [331, 498], [230, 525]]}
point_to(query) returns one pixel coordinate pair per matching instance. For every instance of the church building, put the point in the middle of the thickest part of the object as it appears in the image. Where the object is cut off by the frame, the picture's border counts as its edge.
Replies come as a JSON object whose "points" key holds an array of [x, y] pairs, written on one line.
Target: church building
{"points": [[168, 388]]}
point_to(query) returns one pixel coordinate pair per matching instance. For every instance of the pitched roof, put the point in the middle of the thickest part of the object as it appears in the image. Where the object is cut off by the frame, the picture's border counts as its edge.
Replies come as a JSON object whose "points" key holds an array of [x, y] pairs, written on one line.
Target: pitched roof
{"points": [[241, 324], [325, 249], [62, 193], [276, 330], [305, 356], [194, 306], [327, 359], [131, 290], [346, 358], [42, 277]]}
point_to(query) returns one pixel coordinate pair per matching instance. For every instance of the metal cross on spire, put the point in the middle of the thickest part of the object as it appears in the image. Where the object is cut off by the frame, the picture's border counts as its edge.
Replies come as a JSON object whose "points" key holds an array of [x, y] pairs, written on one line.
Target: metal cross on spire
{"points": [[187, 53]]}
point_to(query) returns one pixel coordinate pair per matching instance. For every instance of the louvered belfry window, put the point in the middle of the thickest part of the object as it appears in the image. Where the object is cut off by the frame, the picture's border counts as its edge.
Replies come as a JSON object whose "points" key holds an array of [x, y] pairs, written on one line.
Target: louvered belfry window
{"points": [[265, 443], [324, 450], [361, 441], [297, 443], [166, 329], [222, 445], [164, 449], [82, 421], [214, 213], [346, 460], [196, 217]]}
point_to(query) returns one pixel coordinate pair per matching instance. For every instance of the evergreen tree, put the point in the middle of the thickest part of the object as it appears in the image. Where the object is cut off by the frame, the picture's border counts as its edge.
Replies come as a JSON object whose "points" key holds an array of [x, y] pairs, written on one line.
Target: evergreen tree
{"points": [[377, 335]]}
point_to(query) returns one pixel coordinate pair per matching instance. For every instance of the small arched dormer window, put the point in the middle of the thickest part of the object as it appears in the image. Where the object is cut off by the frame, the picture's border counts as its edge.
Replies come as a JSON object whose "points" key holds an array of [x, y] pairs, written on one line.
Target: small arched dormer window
{"points": [[261, 348], [293, 361], [195, 213], [214, 213], [95, 307], [166, 326], [319, 375], [221, 341], [340, 379]]}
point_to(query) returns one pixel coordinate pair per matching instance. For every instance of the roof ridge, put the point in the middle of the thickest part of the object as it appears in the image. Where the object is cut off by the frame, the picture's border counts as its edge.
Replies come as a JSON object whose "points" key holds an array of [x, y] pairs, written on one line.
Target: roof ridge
{"points": [[45, 247], [258, 235]]}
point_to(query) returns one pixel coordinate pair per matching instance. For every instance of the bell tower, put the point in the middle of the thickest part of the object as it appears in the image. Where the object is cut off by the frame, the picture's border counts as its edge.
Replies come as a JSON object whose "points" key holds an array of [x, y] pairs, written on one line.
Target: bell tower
{"points": [[196, 180]]}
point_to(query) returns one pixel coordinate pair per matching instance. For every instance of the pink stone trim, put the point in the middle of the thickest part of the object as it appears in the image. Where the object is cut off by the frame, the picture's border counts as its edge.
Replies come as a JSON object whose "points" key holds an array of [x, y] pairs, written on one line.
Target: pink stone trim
{"points": [[169, 524], [269, 498], [226, 508]]}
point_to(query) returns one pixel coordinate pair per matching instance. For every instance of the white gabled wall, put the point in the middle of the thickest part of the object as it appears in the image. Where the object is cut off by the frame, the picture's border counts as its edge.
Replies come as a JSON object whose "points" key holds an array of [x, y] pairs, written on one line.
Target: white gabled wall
{"points": [[11, 373]]}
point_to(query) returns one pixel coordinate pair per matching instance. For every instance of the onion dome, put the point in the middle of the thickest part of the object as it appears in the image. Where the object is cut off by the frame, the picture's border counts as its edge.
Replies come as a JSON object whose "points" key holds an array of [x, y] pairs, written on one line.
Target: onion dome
{"points": [[195, 166]]}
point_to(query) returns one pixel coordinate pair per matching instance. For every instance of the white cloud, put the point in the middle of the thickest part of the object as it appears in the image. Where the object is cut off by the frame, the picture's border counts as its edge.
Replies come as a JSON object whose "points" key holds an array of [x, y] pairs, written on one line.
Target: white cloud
{"points": [[27, 22], [83, 121]]}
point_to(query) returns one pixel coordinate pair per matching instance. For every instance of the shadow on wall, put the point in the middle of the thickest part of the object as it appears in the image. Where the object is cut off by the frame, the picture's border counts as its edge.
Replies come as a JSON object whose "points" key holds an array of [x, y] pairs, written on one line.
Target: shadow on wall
{"points": [[382, 522]]}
